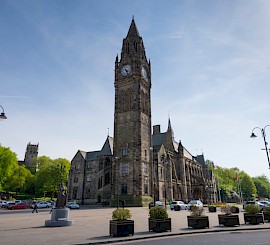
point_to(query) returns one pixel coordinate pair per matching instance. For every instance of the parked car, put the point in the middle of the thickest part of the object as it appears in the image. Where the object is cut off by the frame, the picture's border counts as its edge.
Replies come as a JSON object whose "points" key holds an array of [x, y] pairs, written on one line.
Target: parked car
{"points": [[21, 205], [10, 203], [182, 205], [4, 204], [196, 203], [159, 203], [73, 205], [44, 204], [265, 203], [253, 202]]}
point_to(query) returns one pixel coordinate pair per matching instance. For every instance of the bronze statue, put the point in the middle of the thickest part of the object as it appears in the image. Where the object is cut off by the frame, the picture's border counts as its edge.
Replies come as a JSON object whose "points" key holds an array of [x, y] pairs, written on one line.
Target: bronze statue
{"points": [[61, 197]]}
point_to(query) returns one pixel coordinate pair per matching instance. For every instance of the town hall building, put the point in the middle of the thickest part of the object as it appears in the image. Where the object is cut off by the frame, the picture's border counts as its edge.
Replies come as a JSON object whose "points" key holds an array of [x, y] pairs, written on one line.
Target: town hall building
{"points": [[138, 164]]}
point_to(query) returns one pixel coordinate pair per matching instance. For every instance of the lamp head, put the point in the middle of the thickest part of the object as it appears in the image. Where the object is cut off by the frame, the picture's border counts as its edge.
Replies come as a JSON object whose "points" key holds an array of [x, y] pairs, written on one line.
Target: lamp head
{"points": [[253, 135], [3, 115]]}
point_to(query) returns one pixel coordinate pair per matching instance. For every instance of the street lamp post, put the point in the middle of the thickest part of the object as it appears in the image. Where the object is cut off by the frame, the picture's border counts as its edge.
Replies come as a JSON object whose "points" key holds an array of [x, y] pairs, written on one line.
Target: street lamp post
{"points": [[3, 115], [265, 143]]}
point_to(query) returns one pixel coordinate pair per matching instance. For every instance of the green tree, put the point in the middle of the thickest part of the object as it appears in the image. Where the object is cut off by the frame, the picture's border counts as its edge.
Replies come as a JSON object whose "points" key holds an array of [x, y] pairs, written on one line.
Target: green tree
{"points": [[262, 185], [248, 187], [8, 162], [17, 180], [50, 174]]}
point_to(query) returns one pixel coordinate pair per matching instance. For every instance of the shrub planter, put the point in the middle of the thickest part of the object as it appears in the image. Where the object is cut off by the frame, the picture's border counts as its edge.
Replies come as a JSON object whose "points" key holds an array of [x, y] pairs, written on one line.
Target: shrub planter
{"points": [[228, 220], [159, 225], [253, 219], [192, 208], [121, 227], [198, 222], [212, 209], [235, 210], [266, 216]]}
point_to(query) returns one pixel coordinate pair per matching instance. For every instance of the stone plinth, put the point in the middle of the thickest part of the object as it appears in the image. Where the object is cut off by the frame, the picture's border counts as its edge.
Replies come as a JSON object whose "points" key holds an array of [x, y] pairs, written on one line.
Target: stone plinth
{"points": [[60, 217]]}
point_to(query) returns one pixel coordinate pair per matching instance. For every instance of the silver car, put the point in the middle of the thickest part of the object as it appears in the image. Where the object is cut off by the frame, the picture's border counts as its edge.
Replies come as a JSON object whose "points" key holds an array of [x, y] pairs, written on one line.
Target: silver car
{"points": [[254, 203], [73, 205], [196, 203], [178, 205]]}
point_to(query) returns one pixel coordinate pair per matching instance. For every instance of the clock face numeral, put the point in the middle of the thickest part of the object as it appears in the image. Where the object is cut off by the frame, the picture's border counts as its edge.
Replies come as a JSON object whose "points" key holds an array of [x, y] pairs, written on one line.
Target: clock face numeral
{"points": [[126, 70], [144, 73]]}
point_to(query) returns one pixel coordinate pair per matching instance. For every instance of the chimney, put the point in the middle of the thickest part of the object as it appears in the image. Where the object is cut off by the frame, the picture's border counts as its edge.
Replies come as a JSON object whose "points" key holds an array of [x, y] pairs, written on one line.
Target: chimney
{"points": [[156, 129]]}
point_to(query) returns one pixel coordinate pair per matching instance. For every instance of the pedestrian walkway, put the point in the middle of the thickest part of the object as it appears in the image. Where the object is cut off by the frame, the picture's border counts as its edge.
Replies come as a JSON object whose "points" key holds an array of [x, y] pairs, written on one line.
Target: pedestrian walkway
{"points": [[91, 226]]}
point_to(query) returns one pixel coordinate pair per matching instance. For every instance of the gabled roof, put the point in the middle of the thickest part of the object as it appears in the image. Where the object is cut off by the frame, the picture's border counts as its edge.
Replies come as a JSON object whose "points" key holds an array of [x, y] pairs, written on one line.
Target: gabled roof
{"points": [[83, 153], [92, 155], [157, 139], [107, 148], [200, 159]]}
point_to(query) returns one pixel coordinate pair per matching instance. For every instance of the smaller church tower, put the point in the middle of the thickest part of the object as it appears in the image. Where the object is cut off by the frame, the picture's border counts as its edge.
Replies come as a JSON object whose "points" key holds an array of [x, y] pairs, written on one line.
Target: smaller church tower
{"points": [[30, 156]]}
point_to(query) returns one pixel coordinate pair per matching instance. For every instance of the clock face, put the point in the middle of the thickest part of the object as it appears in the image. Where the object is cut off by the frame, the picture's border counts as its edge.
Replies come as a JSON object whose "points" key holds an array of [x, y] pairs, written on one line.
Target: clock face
{"points": [[144, 73], [126, 70]]}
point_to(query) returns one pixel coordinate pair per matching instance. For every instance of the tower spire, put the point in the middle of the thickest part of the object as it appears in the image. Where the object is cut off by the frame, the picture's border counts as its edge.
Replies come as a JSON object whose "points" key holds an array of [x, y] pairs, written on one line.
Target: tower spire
{"points": [[133, 30], [170, 130]]}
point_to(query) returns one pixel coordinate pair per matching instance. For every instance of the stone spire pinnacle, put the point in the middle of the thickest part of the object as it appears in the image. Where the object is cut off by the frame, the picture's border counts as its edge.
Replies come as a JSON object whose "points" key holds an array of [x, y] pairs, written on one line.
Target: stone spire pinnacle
{"points": [[133, 31], [170, 130]]}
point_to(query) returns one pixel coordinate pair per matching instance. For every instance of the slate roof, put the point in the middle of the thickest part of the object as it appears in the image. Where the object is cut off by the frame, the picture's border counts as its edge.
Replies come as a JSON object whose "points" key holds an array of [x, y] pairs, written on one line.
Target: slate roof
{"points": [[107, 150], [157, 139], [92, 155], [200, 159]]}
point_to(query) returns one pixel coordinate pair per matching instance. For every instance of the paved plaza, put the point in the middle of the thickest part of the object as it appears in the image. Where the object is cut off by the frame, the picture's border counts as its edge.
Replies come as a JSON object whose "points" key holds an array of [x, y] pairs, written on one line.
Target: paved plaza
{"points": [[91, 225]]}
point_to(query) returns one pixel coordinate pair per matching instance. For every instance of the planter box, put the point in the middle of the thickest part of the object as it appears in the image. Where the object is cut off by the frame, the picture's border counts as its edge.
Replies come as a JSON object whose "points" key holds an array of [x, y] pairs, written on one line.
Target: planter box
{"points": [[253, 219], [198, 222], [266, 216], [212, 209], [228, 219], [235, 210], [121, 228], [159, 225]]}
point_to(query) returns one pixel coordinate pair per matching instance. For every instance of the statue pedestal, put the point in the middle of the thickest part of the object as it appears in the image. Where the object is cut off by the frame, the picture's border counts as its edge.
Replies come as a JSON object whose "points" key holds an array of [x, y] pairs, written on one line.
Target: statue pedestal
{"points": [[60, 217]]}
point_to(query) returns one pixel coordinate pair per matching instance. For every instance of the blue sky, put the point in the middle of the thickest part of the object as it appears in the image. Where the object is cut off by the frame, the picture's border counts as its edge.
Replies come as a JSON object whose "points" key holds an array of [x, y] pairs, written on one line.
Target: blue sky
{"points": [[210, 73]]}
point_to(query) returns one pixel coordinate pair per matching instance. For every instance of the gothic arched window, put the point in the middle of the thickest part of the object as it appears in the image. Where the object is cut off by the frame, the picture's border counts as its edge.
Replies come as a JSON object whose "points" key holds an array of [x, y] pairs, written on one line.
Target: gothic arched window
{"points": [[143, 101], [130, 99], [135, 46], [127, 47], [126, 101]]}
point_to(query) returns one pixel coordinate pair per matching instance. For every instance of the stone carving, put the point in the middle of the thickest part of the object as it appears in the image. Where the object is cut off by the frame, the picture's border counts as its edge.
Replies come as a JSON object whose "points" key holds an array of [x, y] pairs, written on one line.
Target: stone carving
{"points": [[61, 197]]}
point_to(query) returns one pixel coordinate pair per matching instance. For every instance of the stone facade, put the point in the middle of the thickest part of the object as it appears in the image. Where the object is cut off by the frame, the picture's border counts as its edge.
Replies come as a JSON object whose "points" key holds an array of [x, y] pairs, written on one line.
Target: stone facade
{"points": [[135, 166], [30, 157]]}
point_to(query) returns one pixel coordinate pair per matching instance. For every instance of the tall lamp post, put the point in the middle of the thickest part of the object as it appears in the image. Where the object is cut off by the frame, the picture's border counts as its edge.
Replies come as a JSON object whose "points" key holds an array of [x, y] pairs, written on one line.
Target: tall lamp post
{"points": [[265, 143], [3, 115]]}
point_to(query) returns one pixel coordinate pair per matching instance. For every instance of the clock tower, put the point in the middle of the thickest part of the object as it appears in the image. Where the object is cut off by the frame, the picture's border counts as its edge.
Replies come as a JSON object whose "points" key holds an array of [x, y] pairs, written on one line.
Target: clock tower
{"points": [[132, 123]]}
